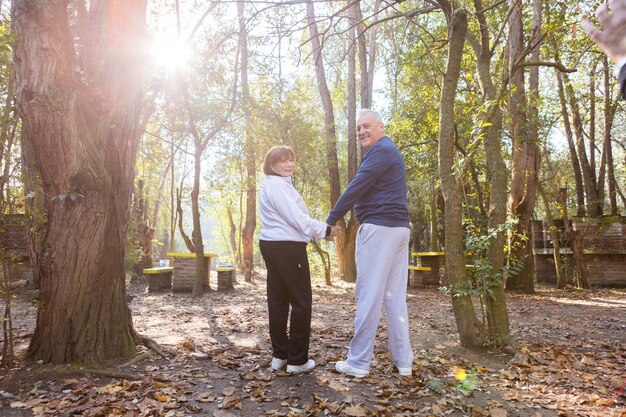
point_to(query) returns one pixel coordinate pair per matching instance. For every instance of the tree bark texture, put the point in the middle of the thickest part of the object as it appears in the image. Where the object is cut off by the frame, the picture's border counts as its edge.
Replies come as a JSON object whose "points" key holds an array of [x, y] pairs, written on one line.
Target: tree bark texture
{"points": [[232, 234], [366, 96], [554, 237], [469, 327], [247, 234], [607, 154], [594, 208], [181, 229], [372, 53], [79, 96], [196, 233], [143, 232], [352, 141], [524, 159], [578, 178], [434, 218], [581, 272], [497, 317], [345, 248]]}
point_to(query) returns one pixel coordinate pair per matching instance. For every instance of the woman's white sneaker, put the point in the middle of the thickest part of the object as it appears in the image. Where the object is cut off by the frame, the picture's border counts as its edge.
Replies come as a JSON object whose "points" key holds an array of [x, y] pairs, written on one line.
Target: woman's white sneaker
{"points": [[278, 364], [344, 368], [299, 369]]}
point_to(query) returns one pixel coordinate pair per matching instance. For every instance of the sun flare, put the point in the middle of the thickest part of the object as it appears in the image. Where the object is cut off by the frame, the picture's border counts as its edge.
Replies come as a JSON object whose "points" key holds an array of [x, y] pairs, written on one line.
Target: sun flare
{"points": [[169, 51]]}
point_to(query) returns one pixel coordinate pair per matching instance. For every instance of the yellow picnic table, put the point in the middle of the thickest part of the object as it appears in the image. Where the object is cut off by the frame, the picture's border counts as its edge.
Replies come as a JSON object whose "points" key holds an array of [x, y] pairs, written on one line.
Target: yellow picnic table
{"points": [[185, 270], [430, 267]]}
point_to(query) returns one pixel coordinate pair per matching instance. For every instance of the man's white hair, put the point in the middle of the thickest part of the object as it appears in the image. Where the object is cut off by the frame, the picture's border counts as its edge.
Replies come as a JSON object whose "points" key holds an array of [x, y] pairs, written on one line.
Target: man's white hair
{"points": [[372, 113]]}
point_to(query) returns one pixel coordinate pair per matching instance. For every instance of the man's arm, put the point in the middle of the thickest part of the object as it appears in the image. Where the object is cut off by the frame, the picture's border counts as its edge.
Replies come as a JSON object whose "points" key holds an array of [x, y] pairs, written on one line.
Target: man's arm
{"points": [[370, 170], [611, 37]]}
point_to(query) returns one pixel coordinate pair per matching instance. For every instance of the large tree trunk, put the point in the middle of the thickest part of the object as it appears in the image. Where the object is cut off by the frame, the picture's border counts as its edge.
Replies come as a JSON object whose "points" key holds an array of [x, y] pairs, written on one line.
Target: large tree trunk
{"points": [[352, 142], [345, 248], [196, 234], [372, 53], [366, 96], [469, 327], [497, 317], [524, 160], [578, 178], [594, 206], [607, 154], [173, 195], [554, 237], [247, 234], [143, 231], [80, 129], [434, 218], [581, 272]]}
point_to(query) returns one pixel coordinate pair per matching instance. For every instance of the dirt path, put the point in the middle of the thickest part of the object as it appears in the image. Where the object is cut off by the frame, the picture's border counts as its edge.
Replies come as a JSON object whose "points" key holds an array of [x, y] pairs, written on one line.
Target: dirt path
{"points": [[570, 360]]}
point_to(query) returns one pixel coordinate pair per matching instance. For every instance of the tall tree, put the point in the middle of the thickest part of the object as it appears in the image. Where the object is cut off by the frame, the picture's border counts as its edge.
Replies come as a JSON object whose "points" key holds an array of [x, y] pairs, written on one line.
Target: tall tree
{"points": [[247, 234], [470, 329], [80, 134], [569, 135], [202, 137], [593, 205], [607, 154], [495, 303], [345, 250], [523, 192]]}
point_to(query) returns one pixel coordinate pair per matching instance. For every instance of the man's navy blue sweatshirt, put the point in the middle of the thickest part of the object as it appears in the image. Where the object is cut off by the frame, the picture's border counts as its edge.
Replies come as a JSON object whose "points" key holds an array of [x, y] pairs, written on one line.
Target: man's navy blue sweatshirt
{"points": [[378, 191]]}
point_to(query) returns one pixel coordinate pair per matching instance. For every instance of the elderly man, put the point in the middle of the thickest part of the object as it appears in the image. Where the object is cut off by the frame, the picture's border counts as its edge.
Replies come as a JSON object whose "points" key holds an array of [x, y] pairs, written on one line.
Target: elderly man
{"points": [[378, 194], [612, 37]]}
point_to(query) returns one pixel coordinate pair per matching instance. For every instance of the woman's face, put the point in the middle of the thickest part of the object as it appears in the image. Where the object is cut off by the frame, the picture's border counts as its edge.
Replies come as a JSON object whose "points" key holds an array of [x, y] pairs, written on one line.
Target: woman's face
{"points": [[285, 167]]}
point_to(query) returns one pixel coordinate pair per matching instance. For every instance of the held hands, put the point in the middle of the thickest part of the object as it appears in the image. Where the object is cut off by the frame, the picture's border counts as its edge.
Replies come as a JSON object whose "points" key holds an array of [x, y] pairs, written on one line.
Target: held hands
{"points": [[612, 36], [334, 231]]}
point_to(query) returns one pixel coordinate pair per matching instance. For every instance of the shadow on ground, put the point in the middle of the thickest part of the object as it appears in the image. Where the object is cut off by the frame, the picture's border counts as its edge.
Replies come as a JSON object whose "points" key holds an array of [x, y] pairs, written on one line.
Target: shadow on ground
{"points": [[570, 360]]}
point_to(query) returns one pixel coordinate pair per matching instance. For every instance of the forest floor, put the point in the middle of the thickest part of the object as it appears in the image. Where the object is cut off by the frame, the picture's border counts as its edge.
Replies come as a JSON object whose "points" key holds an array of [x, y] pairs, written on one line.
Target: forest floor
{"points": [[569, 359]]}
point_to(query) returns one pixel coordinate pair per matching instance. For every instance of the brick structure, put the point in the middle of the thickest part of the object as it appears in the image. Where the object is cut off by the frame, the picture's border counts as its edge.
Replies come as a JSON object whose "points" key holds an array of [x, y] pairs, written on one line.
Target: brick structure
{"points": [[226, 277], [159, 279], [434, 268], [184, 275], [14, 243], [604, 244]]}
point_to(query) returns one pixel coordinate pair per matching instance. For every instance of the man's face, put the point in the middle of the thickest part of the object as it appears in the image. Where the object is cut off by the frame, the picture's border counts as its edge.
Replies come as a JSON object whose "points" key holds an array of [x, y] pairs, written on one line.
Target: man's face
{"points": [[369, 130]]}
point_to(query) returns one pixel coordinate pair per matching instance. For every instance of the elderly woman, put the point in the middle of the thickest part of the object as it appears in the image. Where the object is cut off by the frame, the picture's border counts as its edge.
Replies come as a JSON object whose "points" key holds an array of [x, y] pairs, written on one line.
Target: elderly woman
{"points": [[286, 230]]}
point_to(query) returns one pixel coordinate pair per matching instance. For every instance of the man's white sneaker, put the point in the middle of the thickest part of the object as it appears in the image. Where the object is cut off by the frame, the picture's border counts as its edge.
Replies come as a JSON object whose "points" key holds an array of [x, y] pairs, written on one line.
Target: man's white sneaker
{"points": [[299, 369], [278, 364], [405, 371], [344, 368]]}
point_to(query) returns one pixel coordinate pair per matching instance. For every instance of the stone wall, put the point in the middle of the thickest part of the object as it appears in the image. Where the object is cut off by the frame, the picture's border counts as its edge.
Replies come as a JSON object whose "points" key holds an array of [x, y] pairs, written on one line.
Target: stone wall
{"points": [[184, 275], [604, 247], [226, 277], [609, 235], [14, 244]]}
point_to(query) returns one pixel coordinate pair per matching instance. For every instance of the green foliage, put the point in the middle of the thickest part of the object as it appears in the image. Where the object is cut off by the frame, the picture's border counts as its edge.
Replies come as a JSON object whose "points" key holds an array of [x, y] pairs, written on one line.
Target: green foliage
{"points": [[6, 50], [467, 380], [484, 277], [477, 245], [133, 251]]}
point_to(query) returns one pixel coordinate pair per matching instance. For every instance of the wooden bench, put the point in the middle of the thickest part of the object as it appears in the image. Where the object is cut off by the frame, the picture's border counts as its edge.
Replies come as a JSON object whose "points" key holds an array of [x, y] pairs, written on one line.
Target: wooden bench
{"points": [[225, 277], [159, 279]]}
